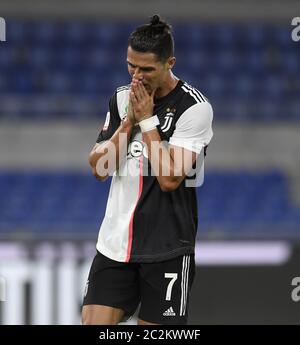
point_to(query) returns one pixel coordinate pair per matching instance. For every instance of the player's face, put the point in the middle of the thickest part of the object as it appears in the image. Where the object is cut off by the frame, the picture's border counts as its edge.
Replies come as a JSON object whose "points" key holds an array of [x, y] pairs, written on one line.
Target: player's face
{"points": [[146, 67]]}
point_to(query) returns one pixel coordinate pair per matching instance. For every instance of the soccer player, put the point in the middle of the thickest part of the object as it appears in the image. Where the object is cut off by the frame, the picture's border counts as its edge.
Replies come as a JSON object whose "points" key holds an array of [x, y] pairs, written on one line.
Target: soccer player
{"points": [[146, 242]]}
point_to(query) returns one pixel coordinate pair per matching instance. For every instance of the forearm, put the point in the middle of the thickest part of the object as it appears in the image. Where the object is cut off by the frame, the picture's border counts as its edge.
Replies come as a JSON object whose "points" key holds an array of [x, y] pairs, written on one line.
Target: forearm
{"points": [[162, 161], [111, 152]]}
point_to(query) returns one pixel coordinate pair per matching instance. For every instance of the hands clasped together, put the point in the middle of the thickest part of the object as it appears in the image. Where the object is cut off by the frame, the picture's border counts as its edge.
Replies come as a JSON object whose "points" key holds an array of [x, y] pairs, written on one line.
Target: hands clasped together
{"points": [[141, 103]]}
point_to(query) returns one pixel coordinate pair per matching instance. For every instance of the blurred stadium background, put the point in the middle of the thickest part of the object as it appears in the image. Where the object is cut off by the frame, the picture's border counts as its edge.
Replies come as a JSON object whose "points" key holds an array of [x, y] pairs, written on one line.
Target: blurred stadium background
{"points": [[58, 67]]}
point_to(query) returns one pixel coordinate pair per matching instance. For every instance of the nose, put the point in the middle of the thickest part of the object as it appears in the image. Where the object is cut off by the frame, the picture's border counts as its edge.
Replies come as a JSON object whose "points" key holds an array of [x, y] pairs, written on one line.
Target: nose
{"points": [[138, 74]]}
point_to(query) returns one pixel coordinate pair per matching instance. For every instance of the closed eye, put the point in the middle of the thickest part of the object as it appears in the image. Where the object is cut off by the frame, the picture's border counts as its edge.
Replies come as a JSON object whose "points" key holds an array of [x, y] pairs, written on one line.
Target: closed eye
{"points": [[144, 69]]}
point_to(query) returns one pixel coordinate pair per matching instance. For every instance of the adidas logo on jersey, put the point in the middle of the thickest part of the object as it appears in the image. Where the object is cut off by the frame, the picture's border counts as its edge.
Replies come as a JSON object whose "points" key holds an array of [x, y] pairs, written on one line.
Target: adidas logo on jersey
{"points": [[169, 312]]}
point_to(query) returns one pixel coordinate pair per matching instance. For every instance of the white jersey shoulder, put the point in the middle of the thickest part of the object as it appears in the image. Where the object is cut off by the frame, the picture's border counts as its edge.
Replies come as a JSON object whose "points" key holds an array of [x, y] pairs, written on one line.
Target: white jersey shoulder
{"points": [[193, 129], [122, 95]]}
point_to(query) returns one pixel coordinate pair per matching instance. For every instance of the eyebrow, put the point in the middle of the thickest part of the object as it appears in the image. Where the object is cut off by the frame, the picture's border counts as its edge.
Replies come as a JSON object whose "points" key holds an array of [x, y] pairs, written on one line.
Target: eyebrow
{"points": [[145, 68]]}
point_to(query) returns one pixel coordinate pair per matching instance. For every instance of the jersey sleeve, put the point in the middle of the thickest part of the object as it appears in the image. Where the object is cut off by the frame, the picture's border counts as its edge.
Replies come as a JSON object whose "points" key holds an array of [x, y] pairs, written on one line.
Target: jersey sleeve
{"points": [[193, 129], [112, 121]]}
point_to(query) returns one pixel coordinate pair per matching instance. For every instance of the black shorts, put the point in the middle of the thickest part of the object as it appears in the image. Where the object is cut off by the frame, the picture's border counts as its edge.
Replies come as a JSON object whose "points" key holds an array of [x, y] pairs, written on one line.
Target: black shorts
{"points": [[162, 288]]}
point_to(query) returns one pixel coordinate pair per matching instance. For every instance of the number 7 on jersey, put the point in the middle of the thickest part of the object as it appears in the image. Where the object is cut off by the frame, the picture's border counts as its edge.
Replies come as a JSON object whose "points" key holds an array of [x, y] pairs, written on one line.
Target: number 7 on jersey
{"points": [[173, 277]]}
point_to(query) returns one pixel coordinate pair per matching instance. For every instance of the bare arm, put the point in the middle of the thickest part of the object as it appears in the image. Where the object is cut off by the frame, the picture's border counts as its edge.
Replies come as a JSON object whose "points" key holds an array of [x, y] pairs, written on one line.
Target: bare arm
{"points": [[111, 151], [171, 164]]}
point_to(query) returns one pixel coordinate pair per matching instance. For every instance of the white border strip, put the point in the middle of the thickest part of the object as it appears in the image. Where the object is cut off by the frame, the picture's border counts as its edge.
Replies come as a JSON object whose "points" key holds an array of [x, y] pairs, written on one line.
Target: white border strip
{"points": [[242, 253]]}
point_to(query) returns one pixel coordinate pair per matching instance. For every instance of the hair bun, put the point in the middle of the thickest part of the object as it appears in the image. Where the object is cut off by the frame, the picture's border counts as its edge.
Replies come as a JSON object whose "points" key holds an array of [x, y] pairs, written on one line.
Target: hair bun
{"points": [[155, 20], [158, 25]]}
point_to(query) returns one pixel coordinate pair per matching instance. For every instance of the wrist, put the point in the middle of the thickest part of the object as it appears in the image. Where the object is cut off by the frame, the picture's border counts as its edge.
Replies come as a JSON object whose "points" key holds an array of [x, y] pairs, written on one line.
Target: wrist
{"points": [[149, 123], [126, 124]]}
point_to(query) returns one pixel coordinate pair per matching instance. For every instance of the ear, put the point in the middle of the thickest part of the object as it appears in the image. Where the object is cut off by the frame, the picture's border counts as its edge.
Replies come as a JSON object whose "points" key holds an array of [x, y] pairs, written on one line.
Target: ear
{"points": [[171, 62]]}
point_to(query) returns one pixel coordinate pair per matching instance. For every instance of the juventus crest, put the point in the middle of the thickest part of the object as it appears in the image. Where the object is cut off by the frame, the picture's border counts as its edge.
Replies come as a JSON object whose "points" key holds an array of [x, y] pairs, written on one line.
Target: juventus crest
{"points": [[168, 120]]}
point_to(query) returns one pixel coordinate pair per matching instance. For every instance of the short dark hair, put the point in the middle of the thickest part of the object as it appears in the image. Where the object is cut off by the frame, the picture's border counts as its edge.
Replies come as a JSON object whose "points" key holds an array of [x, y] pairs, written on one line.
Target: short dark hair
{"points": [[155, 37]]}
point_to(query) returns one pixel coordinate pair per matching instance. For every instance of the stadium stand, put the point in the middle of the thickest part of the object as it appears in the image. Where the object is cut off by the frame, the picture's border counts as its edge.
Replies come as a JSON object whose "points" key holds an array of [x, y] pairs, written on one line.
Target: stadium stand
{"points": [[45, 60], [243, 203]]}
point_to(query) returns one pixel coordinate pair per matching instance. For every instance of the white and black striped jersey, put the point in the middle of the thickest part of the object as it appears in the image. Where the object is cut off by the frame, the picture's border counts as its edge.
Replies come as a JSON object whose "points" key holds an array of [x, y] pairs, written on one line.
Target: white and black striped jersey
{"points": [[142, 223]]}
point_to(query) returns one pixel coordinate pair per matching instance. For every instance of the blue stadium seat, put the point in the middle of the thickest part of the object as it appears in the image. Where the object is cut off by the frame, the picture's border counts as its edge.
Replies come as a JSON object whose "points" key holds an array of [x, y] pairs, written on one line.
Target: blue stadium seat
{"points": [[3, 83], [7, 58], [70, 58], [22, 81], [41, 57], [225, 36], [281, 34], [76, 33], [226, 63], [290, 63], [254, 62], [272, 86], [191, 36], [254, 35], [59, 82], [244, 87], [293, 106], [98, 58], [106, 33], [45, 33], [18, 31]]}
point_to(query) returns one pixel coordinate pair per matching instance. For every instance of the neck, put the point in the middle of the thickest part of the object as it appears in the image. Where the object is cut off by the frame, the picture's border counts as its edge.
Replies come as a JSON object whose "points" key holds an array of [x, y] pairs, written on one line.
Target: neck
{"points": [[167, 87]]}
